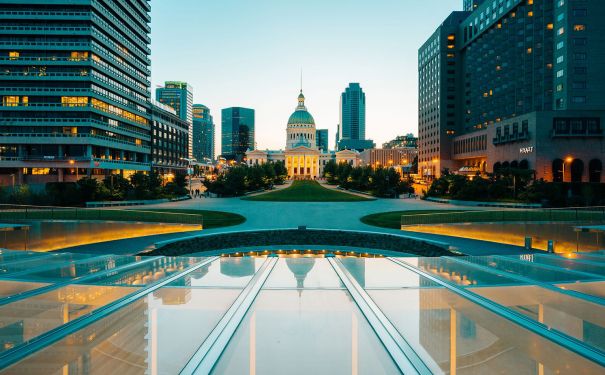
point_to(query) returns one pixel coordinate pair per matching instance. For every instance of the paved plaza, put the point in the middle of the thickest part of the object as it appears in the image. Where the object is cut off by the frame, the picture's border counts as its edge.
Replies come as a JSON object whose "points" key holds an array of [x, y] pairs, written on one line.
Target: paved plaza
{"points": [[323, 215]]}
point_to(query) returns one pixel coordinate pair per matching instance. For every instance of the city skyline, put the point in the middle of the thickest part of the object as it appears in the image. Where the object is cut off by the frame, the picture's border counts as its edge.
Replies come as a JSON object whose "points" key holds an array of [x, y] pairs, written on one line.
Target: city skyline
{"points": [[390, 34]]}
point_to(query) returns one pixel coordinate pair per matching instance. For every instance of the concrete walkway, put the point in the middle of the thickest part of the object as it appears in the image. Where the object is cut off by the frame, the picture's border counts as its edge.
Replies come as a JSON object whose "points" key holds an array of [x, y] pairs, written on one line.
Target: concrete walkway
{"points": [[322, 215]]}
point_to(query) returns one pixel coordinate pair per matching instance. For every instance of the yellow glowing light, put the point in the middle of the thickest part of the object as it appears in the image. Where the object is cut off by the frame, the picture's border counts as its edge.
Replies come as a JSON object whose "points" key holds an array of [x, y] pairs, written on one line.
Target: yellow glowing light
{"points": [[569, 159]]}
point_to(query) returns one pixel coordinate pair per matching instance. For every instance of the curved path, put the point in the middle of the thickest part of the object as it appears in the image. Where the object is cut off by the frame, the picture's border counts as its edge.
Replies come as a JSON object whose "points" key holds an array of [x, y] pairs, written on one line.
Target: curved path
{"points": [[324, 215]]}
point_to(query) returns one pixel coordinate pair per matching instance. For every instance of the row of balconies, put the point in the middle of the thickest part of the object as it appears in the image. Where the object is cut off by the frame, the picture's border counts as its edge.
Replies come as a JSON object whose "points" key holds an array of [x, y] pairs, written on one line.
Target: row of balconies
{"points": [[133, 18], [509, 138], [60, 121], [73, 108], [45, 91], [77, 30], [62, 138], [70, 61], [68, 161]]}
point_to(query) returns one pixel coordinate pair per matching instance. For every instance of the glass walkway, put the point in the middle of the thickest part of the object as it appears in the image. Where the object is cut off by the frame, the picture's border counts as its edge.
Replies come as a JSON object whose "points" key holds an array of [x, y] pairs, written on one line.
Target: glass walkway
{"points": [[300, 314]]}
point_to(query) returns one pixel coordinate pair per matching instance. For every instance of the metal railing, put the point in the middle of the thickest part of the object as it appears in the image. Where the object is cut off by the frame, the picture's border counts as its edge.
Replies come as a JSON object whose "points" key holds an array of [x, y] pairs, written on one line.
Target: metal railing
{"points": [[579, 214], [10, 212]]}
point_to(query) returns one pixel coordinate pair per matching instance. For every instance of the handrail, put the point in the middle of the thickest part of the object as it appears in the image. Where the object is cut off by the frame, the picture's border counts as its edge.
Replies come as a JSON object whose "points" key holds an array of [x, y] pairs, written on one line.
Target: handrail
{"points": [[596, 213], [29, 212]]}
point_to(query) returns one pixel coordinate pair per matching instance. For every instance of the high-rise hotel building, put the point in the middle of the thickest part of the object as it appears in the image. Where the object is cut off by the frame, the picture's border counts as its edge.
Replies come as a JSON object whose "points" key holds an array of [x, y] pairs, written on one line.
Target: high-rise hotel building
{"points": [[515, 83], [74, 88], [179, 95]]}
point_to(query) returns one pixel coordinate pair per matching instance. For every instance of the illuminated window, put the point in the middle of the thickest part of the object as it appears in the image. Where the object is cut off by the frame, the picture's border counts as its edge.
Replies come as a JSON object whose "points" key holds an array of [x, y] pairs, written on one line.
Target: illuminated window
{"points": [[579, 27], [530, 14], [550, 26], [78, 56], [74, 101], [529, 50], [13, 55], [10, 101], [40, 171]]}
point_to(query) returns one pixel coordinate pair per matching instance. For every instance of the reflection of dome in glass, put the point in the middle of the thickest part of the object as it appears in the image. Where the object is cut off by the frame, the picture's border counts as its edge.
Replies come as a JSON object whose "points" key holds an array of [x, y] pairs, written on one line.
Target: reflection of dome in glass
{"points": [[300, 267], [238, 267], [301, 116]]}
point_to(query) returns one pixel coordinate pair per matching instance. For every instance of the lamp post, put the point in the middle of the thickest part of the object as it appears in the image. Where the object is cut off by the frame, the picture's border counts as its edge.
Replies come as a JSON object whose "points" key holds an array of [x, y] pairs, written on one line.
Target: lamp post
{"points": [[189, 171], [568, 159]]}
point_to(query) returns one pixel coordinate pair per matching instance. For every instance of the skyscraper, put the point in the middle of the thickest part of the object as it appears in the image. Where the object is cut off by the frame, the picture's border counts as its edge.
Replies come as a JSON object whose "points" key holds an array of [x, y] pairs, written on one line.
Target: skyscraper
{"points": [[237, 128], [470, 5], [203, 133], [352, 127], [515, 84], [75, 84], [321, 139], [179, 95]]}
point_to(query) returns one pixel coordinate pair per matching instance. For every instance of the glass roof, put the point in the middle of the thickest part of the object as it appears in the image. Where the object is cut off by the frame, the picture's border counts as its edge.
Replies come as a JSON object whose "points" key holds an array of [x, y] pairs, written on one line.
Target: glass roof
{"points": [[301, 314]]}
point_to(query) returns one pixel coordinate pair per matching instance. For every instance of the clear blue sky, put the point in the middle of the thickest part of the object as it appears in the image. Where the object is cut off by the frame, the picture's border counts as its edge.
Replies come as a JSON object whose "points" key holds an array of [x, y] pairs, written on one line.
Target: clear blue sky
{"points": [[249, 53]]}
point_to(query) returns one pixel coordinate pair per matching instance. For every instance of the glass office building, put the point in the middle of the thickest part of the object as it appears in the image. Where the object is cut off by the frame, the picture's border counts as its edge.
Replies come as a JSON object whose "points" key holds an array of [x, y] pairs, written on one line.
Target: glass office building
{"points": [[237, 125], [352, 128], [75, 88], [321, 139], [299, 314], [203, 133]]}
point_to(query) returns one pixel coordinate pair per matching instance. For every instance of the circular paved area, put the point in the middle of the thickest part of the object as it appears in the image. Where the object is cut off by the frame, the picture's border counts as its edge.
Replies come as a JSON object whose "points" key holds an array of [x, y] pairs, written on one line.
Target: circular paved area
{"points": [[324, 215]]}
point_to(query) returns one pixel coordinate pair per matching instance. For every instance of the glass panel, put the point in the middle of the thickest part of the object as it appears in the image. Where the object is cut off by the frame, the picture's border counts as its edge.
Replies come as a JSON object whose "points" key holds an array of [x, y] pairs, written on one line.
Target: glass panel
{"points": [[304, 272], [156, 335], [459, 273], [567, 314], [10, 288], [596, 289], [527, 269], [147, 273], [224, 273], [79, 269], [453, 335], [10, 255], [382, 273], [23, 320], [6, 269], [568, 264], [304, 332], [593, 257]]}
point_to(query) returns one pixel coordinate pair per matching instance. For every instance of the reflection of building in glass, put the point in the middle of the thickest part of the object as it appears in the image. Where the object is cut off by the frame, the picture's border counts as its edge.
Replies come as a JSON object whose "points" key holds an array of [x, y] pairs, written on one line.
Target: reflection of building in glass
{"points": [[300, 267], [238, 267]]}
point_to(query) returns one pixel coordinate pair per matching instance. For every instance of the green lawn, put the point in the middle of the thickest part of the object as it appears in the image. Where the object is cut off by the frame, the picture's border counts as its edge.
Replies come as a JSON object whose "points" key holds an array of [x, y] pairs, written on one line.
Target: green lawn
{"points": [[212, 219], [397, 218], [307, 191], [209, 219], [392, 219]]}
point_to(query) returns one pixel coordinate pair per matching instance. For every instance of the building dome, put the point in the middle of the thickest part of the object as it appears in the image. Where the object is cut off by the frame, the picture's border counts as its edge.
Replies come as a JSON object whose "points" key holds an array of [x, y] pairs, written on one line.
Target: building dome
{"points": [[301, 116]]}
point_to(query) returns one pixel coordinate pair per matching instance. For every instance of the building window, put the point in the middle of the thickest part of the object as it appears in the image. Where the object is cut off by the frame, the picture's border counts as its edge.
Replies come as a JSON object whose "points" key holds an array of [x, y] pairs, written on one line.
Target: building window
{"points": [[579, 27], [13, 55]]}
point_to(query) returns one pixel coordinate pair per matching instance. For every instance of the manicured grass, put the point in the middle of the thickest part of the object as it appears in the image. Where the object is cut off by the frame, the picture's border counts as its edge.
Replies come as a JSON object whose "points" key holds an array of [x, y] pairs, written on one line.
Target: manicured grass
{"points": [[392, 219], [212, 219], [209, 219], [307, 191]]}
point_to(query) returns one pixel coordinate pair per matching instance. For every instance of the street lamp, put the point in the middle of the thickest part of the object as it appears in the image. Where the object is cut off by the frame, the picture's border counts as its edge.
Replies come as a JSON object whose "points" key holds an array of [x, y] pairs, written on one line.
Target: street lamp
{"points": [[189, 169], [568, 159]]}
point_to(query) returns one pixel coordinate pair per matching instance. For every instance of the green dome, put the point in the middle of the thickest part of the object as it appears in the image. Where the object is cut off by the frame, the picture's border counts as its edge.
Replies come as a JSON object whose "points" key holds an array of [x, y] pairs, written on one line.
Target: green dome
{"points": [[301, 117]]}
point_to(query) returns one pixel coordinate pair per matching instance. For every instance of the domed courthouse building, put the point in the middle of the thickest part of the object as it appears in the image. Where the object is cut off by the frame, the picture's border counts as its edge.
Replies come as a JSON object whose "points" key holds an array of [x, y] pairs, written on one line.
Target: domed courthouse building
{"points": [[303, 159]]}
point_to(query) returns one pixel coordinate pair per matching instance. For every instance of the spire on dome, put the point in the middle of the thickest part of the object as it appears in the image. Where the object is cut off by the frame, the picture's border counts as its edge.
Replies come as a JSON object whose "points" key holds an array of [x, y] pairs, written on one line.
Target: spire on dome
{"points": [[301, 100]]}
